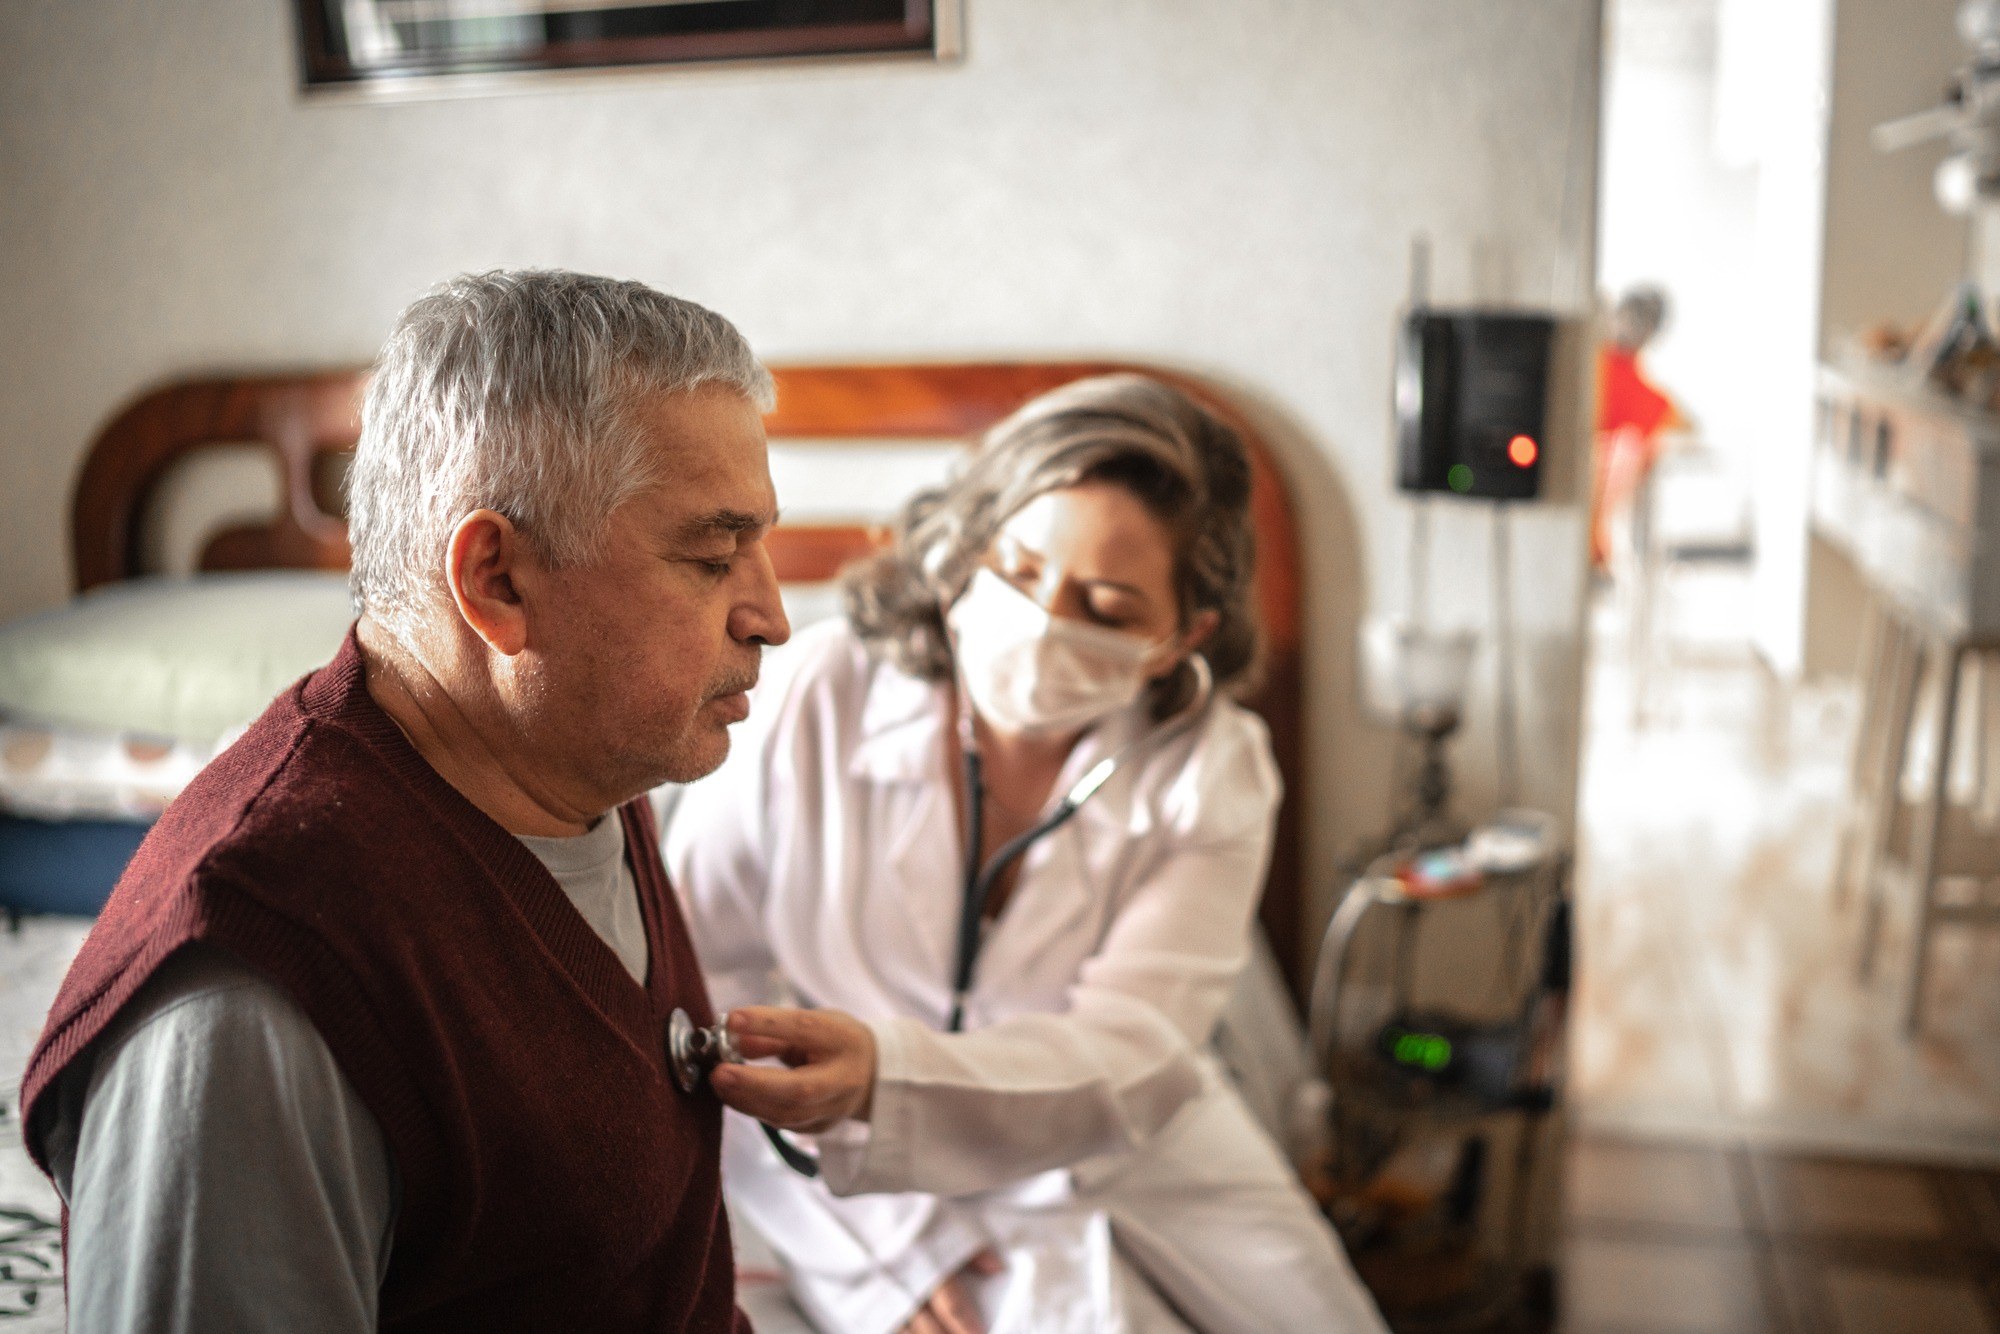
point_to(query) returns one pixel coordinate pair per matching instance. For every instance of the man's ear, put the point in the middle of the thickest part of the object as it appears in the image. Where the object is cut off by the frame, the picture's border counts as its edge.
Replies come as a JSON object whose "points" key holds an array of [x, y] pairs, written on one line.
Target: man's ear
{"points": [[483, 563]]}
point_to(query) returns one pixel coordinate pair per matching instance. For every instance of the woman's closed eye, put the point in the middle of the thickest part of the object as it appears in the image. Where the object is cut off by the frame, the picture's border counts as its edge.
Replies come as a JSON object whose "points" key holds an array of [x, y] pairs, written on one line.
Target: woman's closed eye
{"points": [[1109, 620], [1113, 605], [1116, 608]]}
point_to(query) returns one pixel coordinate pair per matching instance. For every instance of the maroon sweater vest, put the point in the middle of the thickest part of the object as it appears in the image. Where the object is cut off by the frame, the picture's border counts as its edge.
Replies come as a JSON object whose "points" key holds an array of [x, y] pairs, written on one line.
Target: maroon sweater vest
{"points": [[553, 1175]]}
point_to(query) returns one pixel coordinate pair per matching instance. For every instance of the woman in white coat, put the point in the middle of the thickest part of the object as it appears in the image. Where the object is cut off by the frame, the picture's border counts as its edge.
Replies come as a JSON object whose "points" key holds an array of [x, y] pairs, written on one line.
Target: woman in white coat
{"points": [[1047, 1143]]}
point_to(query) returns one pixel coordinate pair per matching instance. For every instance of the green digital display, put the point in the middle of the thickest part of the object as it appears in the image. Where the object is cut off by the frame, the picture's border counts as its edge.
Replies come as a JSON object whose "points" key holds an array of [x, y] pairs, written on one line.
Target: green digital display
{"points": [[1427, 1051]]}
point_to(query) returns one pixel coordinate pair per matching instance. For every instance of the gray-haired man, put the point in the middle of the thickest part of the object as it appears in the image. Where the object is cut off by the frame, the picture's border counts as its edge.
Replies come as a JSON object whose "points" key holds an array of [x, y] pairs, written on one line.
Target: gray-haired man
{"points": [[371, 1034]]}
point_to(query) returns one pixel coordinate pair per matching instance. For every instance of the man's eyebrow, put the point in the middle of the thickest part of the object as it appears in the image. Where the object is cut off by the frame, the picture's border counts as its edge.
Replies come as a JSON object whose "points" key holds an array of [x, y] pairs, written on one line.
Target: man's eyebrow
{"points": [[725, 523]]}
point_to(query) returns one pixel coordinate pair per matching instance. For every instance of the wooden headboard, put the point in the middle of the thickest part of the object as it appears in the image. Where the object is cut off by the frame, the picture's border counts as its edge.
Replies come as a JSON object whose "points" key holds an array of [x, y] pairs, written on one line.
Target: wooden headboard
{"points": [[308, 421]]}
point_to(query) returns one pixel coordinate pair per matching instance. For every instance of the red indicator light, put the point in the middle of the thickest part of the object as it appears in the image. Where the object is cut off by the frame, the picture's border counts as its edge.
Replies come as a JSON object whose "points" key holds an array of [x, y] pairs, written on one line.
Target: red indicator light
{"points": [[1523, 451]]}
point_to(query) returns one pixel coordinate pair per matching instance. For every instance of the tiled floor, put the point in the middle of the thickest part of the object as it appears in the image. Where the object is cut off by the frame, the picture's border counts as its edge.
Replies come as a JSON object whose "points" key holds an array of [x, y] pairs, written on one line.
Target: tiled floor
{"points": [[1666, 1238], [1745, 1096], [1718, 995]]}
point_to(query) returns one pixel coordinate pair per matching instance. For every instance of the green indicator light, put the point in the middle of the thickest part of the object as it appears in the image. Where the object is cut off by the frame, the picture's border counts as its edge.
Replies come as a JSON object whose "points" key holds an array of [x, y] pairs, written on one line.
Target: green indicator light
{"points": [[1427, 1050], [1459, 478]]}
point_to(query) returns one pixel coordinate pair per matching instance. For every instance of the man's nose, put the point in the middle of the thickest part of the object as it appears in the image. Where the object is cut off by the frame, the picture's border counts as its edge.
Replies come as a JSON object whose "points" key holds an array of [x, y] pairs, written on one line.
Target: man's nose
{"points": [[760, 616]]}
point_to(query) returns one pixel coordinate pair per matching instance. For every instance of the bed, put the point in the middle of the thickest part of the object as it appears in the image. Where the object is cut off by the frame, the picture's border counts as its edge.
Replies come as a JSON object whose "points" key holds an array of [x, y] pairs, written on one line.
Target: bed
{"points": [[848, 441]]}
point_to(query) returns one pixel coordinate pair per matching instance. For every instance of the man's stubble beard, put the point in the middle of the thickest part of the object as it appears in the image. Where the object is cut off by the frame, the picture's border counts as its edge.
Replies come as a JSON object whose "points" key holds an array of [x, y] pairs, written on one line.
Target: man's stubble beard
{"points": [[612, 763], [688, 757]]}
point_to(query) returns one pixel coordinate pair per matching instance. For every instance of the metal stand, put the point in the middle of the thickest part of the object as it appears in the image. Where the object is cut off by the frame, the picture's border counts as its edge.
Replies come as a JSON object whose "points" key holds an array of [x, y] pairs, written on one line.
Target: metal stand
{"points": [[1423, 822], [1374, 1113]]}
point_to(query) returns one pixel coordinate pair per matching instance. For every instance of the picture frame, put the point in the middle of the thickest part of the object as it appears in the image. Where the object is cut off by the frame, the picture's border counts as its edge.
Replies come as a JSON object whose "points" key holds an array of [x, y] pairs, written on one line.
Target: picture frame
{"points": [[392, 47]]}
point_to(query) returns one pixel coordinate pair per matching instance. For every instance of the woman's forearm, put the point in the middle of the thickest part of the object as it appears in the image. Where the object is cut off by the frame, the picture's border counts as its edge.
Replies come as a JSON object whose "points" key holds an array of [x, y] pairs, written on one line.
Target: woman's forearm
{"points": [[958, 1113]]}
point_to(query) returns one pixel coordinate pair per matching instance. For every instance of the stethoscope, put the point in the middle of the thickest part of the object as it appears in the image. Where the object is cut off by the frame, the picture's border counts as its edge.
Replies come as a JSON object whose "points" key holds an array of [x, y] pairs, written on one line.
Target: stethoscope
{"points": [[693, 1050], [978, 882]]}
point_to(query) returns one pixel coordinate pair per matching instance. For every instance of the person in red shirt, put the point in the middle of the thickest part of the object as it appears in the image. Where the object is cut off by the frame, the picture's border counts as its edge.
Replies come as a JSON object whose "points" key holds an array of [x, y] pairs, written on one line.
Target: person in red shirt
{"points": [[1632, 413]]}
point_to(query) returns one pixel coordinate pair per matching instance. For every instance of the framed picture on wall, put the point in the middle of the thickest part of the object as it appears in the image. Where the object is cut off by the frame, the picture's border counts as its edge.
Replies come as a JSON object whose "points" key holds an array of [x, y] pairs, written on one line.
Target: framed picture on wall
{"points": [[388, 46]]}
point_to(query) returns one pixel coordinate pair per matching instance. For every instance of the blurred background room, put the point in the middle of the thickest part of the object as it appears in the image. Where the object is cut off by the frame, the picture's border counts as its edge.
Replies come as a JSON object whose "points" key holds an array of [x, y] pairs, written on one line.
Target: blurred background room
{"points": [[1626, 408]]}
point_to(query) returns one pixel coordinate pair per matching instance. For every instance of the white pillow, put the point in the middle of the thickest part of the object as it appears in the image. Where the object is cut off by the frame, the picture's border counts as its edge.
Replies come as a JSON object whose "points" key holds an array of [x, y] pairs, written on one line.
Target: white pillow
{"points": [[185, 659], [76, 773]]}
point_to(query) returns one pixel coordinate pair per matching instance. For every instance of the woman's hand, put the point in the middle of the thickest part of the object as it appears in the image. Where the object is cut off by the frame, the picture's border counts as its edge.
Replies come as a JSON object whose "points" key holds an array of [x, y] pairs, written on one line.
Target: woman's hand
{"points": [[831, 1078], [951, 1309]]}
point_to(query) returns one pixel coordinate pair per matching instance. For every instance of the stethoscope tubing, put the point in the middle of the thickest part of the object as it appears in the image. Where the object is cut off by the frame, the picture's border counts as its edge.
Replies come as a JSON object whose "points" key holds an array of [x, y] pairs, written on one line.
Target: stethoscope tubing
{"points": [[978, 881]]}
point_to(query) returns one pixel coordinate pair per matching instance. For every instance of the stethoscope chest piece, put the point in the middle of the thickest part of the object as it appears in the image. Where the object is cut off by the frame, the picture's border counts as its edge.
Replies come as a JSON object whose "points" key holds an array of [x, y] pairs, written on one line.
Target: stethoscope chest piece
{"points": [[693, 1051]]}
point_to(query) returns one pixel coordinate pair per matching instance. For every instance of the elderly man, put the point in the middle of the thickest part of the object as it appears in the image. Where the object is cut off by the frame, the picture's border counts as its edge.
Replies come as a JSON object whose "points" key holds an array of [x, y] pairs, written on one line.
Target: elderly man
{"points": [[371, 1034]]}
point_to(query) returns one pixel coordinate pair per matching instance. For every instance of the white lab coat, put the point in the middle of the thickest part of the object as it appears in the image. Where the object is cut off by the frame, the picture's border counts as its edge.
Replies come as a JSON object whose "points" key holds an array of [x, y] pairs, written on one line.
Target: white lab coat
{"points": [[1078, 1126]]}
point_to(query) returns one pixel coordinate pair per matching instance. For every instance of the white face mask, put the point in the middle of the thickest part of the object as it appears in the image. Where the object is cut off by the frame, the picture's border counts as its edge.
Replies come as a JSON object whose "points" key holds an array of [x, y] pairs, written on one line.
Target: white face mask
{"points": [[1028, 671]]}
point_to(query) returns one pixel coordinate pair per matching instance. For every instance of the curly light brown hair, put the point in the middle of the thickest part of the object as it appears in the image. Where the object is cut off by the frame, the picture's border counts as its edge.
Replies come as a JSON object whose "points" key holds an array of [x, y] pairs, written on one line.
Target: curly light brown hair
{"points": [[1187, 467]]}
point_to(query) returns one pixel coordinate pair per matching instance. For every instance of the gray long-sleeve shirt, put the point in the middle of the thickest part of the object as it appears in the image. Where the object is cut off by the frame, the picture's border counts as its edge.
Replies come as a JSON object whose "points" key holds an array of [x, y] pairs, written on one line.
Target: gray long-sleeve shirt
{"points": [[221, 1173]]}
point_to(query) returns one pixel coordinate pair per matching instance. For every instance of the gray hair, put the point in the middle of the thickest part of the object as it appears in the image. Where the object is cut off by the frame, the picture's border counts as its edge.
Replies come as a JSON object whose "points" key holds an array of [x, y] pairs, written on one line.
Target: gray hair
{"points": [[519, 391], [1180, 460]]}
